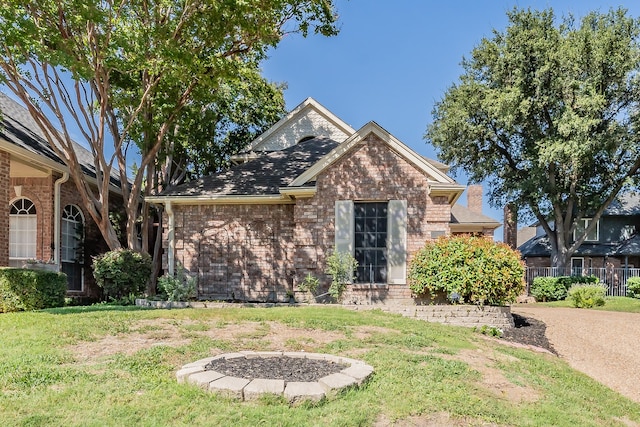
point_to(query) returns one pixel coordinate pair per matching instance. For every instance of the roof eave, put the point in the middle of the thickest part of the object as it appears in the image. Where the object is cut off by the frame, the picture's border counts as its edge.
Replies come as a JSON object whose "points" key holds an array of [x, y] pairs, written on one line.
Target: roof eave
{"points": [[276, 199]]}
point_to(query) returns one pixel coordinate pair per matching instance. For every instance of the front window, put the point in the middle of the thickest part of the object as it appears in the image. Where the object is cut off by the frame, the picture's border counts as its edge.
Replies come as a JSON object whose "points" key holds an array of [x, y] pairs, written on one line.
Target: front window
{"points": [[23, 228], [71, 248], [370, 224], [582, 225]]}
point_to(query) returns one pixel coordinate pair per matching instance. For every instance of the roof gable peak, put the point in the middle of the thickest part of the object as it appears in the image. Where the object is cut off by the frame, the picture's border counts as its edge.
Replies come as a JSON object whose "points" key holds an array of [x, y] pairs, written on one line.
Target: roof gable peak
{"points": [[395, 144], [309, 118]]}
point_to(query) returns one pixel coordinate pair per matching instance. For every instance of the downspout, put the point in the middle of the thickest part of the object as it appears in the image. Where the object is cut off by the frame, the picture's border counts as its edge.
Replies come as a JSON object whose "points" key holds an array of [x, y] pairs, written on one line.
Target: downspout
{"points": [[57, 216], [171, 237]]}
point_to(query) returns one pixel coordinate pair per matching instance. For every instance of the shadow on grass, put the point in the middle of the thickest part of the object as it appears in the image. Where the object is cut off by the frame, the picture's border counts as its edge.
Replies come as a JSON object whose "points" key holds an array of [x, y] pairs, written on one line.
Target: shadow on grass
{"points": [[92, 308]]}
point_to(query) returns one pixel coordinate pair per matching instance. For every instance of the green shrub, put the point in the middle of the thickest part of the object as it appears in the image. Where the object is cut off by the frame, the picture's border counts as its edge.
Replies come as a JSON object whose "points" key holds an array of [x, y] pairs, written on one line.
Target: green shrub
{"points": [[122, 272], [586, 296], [180, 287], [22, 289], [633, 287], [477, 269], [340, 266], [309, 284], [556, 288]]}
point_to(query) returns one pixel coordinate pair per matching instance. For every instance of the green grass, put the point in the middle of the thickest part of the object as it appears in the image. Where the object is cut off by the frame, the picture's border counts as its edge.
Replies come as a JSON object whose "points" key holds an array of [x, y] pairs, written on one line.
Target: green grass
{"points": [[629, 305], [420, 370]]}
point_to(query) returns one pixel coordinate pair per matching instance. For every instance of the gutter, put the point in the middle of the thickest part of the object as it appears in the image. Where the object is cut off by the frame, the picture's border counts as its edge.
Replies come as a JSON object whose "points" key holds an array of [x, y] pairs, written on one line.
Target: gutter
{"points": [[171, 237], [57, 216]]}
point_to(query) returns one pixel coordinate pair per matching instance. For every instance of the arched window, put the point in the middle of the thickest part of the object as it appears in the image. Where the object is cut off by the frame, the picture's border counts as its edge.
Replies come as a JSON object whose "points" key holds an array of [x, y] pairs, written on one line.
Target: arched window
{"points": [[23, 229], [72, 245]]}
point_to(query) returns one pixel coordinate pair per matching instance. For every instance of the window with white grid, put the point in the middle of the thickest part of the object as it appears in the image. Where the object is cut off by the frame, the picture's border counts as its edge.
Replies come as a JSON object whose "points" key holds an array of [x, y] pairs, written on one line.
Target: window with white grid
{"points": [[23, 228]]}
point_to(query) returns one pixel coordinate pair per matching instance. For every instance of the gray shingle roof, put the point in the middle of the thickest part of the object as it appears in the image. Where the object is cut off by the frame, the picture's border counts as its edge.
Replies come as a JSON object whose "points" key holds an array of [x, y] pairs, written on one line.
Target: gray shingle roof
{"points": [[259, 177], [18, 127], [463, 215]]}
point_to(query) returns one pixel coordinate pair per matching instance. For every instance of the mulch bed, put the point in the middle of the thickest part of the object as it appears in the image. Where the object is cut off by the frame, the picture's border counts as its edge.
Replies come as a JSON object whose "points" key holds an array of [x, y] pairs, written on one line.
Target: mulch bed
{"points": [[284, 368], [528, 331]]}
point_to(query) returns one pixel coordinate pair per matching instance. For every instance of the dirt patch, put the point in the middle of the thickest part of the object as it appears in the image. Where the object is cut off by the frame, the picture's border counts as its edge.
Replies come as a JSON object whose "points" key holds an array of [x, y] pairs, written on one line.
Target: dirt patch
{"points": [[243, 335], [484, 360]]}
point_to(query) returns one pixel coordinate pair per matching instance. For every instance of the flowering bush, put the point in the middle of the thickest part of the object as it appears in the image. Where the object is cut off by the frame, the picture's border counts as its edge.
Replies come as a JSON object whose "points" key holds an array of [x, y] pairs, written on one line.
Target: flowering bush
{"points": [[476, 269]]}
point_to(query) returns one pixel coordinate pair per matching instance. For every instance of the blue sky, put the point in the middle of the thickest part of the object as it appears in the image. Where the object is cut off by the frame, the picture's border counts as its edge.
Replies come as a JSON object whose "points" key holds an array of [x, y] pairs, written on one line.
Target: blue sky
{"points": [[393, 60]]}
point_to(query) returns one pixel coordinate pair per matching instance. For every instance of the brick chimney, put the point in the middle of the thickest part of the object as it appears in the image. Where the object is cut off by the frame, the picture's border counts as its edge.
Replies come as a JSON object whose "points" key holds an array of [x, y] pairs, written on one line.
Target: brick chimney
{"points": [[510, 230], [474, 198]]}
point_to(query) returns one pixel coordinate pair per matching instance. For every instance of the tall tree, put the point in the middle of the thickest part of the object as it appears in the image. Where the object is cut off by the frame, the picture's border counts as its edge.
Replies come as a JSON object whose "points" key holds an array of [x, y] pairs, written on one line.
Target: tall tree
{"points": [[547, 113], [124, 72]]}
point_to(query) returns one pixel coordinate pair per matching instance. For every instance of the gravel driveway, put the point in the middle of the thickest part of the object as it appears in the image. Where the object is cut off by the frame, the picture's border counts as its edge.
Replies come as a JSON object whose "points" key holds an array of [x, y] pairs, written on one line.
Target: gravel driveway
{"points": [[603, 344]]}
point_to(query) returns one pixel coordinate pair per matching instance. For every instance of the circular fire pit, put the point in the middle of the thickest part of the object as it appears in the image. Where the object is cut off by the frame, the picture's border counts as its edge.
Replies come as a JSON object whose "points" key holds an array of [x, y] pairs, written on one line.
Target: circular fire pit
{"points": [[297, 376]]}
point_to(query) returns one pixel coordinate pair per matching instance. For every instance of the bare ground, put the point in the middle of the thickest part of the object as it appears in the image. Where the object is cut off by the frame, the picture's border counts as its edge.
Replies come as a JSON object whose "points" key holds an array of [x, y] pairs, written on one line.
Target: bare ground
{"points": [[602, 344]]}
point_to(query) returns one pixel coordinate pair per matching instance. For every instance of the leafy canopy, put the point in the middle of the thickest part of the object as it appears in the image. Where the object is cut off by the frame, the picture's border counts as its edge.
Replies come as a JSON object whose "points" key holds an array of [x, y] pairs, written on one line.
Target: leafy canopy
{"points": [[547, 113], [131, 76]]}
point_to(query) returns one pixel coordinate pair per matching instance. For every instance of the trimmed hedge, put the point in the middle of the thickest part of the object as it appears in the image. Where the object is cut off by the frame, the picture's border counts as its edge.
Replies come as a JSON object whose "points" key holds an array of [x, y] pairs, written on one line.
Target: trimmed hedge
{"points": [[468, 269], [22, 289], [633, 287], [122, 273], [556, 288], [587, 296]]}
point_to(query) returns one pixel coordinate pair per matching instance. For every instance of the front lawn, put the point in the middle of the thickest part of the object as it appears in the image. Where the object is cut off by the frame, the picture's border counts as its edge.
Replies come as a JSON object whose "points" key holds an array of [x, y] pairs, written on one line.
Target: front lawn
{"points": [[109, 366], [629, 305]]}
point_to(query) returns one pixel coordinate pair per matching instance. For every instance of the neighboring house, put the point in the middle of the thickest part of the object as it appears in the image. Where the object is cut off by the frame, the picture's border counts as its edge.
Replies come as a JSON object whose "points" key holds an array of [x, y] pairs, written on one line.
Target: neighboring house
{"points": [[41, 214], [611, 251], [308, 186]]}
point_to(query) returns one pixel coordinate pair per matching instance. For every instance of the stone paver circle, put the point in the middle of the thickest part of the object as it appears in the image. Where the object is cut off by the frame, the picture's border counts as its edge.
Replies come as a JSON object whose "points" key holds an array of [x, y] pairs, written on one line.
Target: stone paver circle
{"points": [[355, 373]]}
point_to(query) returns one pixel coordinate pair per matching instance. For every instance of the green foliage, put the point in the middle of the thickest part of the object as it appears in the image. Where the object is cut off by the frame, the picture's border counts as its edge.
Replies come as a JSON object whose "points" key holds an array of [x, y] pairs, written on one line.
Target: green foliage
{"points": [[491, 331], [122, 272], [341, 267], [419, 368], [173, 77], [555, 288], [180, 287], [22, 289], [548, 112], [309, 284], [633, 287], [587, 296], [479, 270]]}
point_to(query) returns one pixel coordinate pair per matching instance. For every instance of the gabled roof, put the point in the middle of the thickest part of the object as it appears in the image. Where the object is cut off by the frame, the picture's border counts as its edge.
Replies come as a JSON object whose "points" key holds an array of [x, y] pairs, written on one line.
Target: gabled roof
{"points": [[262, 176], [435, 175], [291, 121], [462, 215], [25, 138]]}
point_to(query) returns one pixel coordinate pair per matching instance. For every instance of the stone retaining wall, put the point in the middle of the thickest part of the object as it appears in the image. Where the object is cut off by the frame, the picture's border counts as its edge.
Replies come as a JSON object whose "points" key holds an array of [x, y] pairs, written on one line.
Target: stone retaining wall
{"points": [[457, 315]]}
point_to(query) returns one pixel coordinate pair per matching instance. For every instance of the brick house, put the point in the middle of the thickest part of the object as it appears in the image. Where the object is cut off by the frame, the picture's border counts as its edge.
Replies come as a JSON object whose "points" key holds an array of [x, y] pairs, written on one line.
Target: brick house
{"points": [[611, 251], [41, 213], [308, 186]]}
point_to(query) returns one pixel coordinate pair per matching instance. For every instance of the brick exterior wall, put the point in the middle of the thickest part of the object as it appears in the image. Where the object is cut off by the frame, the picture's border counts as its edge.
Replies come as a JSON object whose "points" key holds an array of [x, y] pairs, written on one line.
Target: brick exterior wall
{"points": [[40, 192], [260, 252], [240, 252], [474, 198], [5, 198]]}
